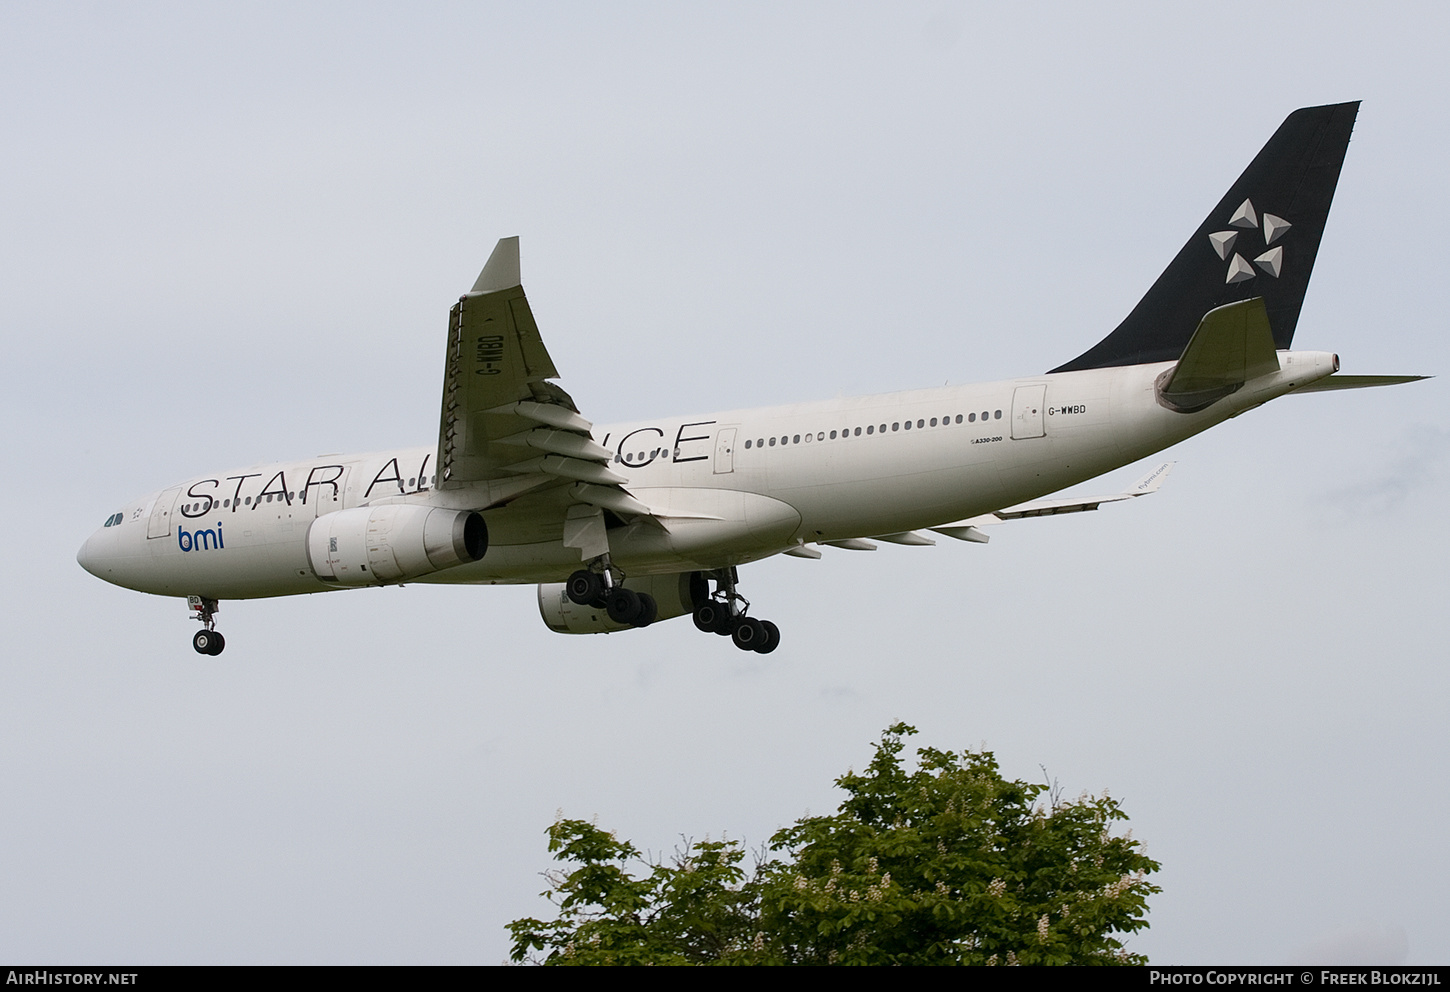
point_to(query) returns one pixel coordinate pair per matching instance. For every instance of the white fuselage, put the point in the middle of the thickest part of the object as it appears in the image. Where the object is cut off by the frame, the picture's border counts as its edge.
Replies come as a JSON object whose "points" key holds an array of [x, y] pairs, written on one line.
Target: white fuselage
{"points": [[724, 489]]}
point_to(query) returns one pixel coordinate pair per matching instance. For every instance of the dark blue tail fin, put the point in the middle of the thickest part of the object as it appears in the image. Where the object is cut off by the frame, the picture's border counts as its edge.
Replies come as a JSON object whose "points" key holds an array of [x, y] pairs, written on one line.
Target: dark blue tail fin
{"points": [[1260, 240]]}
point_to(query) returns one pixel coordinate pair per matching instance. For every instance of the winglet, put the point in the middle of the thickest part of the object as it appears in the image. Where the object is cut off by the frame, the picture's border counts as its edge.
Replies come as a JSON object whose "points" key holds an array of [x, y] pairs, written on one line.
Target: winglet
{"points": [[1151, 482], [501, 271]]}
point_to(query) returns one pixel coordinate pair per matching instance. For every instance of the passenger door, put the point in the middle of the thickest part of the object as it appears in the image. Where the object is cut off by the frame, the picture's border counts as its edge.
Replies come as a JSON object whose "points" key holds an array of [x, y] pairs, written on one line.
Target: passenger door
{"points": [[725, 451], [1028, 418]]}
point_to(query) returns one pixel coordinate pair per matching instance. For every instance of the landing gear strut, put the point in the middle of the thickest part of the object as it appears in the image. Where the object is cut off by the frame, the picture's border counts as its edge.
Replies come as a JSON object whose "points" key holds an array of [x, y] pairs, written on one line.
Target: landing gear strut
{"points": [[724, 613], [596, 586], [208, 640]]}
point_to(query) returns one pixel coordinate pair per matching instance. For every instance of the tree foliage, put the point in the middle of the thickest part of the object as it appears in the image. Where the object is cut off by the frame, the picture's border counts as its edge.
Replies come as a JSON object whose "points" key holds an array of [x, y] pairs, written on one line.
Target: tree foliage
{"points": [[947, 864]]}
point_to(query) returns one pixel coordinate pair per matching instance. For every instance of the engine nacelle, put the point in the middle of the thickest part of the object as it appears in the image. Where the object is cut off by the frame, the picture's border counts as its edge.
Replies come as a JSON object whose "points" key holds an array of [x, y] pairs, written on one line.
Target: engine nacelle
{"points": [[674, 595], [370, 545]]}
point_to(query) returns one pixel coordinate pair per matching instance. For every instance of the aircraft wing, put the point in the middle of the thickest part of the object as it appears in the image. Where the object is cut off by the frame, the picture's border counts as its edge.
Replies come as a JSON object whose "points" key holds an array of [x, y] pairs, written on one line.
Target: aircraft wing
{"points": [[964, 530], [502, 420]]}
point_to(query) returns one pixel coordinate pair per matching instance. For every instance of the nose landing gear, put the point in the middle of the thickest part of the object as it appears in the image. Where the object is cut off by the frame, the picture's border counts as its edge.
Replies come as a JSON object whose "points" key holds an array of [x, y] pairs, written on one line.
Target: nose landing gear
{"points": [[724, 613], [209, 640]]}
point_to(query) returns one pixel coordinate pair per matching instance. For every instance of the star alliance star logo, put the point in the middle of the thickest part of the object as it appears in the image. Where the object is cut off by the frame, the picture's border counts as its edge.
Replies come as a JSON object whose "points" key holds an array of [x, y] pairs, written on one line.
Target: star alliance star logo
{"points": [[1271, 262]]}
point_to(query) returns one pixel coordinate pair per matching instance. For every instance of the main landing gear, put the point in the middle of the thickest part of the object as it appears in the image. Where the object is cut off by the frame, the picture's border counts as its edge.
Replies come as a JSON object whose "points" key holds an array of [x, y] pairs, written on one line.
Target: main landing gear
{"points": [[725, 611], [599, 590], [208, 640]]}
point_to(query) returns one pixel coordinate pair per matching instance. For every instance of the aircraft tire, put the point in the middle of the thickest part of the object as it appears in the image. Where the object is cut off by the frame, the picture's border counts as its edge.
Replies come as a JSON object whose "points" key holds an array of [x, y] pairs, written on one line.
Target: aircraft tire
{"points": [[584, 587], [771, 640], [622, 605], [748, 633], [220, 644], [207, 642], [648, 610], [707, 615]]}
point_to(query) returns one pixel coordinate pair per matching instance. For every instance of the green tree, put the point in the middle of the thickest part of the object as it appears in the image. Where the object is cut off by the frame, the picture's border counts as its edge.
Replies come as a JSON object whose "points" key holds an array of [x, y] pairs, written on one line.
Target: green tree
{"points": [[947, 864]]}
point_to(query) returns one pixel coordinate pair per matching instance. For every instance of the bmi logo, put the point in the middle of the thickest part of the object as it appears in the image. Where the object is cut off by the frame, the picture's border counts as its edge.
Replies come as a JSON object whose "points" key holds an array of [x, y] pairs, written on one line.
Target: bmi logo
{"points": [[1271, 262], [199, 540]]}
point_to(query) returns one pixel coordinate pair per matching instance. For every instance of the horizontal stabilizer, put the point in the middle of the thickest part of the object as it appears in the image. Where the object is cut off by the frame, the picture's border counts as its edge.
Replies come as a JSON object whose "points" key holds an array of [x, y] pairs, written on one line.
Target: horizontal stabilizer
{"points": [[1232, 345], [1357, 382]]}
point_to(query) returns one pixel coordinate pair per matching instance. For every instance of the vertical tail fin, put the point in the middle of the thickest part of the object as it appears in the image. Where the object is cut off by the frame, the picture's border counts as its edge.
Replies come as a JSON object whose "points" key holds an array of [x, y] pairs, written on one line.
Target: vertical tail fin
{"points": [[1260, 240]]}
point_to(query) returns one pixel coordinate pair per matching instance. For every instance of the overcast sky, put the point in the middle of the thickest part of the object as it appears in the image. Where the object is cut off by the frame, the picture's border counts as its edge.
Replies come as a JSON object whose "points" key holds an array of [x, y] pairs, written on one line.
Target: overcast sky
{"points": [[233, 234]]}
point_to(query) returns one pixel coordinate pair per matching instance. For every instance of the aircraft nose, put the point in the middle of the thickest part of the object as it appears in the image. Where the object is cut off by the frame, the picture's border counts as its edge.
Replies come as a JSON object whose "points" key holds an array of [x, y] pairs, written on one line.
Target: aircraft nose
{"points": [[110, 555], [99, 555], [88, 558]]}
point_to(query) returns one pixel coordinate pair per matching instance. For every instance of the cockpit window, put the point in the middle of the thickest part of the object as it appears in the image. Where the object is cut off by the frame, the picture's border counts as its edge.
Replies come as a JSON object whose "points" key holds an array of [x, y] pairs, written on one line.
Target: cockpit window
{"points": [[113, 520]]}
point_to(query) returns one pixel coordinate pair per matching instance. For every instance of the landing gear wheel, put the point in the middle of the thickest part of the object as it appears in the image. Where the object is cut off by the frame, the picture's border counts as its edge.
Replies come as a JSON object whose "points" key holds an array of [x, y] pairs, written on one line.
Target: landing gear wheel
{"points": [[622, 605], [748, 633], [770, 641], [709, 614], [208, 642], [585, 587], [648, 610]]}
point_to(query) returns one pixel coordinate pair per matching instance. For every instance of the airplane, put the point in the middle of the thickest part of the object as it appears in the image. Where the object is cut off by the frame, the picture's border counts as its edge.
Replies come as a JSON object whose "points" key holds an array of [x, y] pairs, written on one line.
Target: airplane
{"points": [[626, 525]]}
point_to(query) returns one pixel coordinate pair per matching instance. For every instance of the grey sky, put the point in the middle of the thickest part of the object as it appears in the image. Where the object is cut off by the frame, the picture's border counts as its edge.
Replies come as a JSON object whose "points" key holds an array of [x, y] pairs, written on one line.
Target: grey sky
{"points": [[233, 235]]}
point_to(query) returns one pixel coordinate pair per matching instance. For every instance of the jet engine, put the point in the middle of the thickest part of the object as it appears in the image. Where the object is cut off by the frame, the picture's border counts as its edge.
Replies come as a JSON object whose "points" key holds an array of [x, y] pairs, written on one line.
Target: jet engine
{"points": [[675, 595], [370, 545]]}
